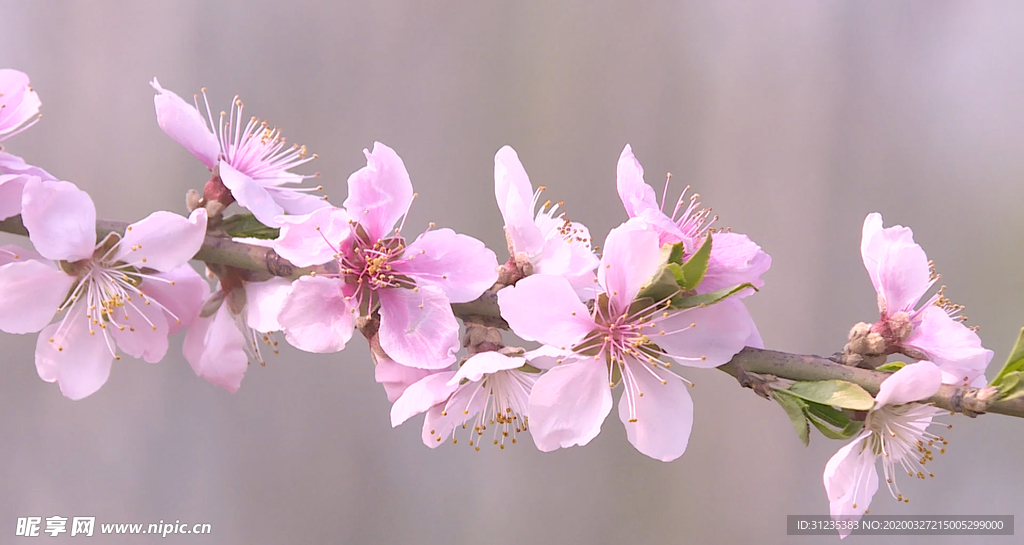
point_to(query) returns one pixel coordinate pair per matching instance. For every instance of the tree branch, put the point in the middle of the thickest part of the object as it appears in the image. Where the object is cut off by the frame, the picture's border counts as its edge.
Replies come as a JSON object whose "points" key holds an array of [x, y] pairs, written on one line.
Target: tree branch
{"points": [[222, 250]]}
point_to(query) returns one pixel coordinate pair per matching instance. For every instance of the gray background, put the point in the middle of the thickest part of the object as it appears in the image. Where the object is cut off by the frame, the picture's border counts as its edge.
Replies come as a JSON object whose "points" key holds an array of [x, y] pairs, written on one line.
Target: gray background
{"points": [[792, 119]]}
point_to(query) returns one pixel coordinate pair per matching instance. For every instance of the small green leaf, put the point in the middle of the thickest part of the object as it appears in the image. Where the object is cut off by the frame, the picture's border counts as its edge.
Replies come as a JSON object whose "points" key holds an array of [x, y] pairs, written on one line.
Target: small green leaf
{"points": [[1011, 386], [891, 367], [838, 393], [675, 253], [247, 226], [1014, 363], [695, 267], [794, 408], [831, 422], [663, 285], [711, 298]]}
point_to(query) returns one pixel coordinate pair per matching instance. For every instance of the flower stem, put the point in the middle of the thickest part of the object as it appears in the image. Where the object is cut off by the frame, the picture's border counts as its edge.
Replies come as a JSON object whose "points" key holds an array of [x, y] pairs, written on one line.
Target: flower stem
{"points": [[220, 249]]}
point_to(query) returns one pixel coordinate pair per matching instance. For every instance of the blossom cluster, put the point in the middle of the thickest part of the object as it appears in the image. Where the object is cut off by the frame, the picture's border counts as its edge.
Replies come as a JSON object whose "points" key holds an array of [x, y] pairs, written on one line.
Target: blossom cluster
{"points": [[666, 292]]}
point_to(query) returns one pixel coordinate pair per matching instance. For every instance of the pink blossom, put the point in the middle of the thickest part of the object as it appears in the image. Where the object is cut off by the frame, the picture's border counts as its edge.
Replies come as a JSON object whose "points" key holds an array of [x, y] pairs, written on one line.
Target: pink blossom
{"points": [[19, 103], [393, 376], [735, 259], [896, 431], [621, 340], [123, 293], [902, 275], [253, 161], [235, 322], [412, 284], [489, 386], [550, 243]]}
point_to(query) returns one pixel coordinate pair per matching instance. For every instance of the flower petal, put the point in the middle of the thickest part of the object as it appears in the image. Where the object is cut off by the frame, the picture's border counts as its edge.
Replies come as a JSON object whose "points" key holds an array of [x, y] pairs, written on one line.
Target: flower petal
{"points": [[379, 193], [393, 376], [78, 361], [263, 303], [851, 480], [296, 202], [459, 265], [572, 259], [510, 179], [60, 218], [180, 291], [898, 267], [664, 414], [162, 240], [631, 257], [12, 164], [30, 292], [140, 330], [251, 195], [11, 186], [313, 239], [721, 331], [914, 382], [546, 309], [421, 396], [735, 259], [183, 123], [486, 363], [633, 191], [418, 328], [569, 403], [315, 316], [951, 345], [19, 103], [215, 348]]}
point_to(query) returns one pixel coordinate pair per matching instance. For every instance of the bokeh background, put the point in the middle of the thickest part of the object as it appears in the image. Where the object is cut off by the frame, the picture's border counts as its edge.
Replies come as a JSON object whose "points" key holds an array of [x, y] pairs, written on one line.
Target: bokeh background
{"points": [[792, 119]]}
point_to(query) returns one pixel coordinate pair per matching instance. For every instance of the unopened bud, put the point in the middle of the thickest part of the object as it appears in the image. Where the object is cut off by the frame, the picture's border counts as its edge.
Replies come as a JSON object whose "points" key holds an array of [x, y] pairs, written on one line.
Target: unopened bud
{"points": [[193, 199]]}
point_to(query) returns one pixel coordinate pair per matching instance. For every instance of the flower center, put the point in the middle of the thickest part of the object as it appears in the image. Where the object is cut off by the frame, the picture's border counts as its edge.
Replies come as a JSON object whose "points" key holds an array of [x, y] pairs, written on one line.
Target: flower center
{"points": [[899, 434]]}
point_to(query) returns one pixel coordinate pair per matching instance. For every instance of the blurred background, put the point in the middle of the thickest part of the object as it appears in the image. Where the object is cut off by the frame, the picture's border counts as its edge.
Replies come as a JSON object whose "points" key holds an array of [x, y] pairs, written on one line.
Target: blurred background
{"points": [[792, 119]]}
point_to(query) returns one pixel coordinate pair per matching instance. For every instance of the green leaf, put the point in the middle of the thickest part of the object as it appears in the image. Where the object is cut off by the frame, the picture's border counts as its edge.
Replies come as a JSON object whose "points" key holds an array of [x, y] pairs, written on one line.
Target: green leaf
{"points": [[673, 253], [794, 408], [1014, 363], [247, 226], [1011, 386], [831, 422], [838, 393], [711, 298], [664, 284], [891, 367], [695, 267]]}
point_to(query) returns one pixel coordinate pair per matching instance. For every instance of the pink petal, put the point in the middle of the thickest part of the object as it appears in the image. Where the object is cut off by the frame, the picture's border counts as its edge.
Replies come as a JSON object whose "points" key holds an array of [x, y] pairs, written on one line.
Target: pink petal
{"points": [[183, 123], [19, 104], [144, 333], [897, 266], [421, 396], [633, 191], [379, 193], [163, 240], [215, 348], [60, 218], [951, 345], [30, 292], [485, 363], [443, 418], [851, 480], [313, 239], [459, 265], [251, 195], [295, 202], [721, 331], [664, 414], [181, 300], [82, 363], [735, 259], [12, 164], [264, 301], [569, 403], [418, 328], [13, 253], [545, 309], [527, 237], [631, 257], [394, 377], [11, 186], [315, 316], [914, 382], [546, 357], [510, 179]]}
